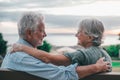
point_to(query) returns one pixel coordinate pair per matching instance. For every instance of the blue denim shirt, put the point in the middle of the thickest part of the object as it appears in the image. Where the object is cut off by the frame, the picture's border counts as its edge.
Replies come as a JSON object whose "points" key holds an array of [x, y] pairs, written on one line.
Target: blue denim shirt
{"points": [[23, 62]]}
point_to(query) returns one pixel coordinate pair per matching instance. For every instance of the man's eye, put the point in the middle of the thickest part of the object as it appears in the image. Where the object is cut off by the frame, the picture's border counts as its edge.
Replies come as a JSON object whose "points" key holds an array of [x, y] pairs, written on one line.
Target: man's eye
{"points": [[78, 32]]}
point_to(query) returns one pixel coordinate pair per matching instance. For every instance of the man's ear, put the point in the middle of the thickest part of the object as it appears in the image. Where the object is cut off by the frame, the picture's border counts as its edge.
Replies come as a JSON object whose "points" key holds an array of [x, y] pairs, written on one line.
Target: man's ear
{"points": [[28, 33]]}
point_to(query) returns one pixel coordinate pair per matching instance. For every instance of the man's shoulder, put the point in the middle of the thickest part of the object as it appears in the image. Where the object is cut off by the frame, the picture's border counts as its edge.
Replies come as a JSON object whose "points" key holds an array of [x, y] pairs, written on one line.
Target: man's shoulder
{"points": [[23, 57], [16, 56], [19, 54]]}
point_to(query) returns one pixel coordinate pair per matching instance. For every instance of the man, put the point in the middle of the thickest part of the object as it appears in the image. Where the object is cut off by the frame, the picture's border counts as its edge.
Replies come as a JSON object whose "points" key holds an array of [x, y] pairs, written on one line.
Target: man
{"points": [[31, 32]]}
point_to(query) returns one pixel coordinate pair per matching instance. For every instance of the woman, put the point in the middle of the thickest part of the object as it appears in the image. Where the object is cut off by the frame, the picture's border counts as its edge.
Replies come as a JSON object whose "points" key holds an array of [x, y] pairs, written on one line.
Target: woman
{"points": [[89, 36]]}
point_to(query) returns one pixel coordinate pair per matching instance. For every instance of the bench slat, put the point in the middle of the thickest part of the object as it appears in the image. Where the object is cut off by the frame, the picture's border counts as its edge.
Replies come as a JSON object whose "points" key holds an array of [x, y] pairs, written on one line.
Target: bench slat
{"points": [[18, 75]]}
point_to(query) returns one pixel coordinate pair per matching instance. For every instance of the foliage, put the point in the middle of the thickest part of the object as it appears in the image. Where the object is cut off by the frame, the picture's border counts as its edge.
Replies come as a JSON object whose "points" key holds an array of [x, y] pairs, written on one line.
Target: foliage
{"points": [[3, 45], [45, 47], [113, 50]]}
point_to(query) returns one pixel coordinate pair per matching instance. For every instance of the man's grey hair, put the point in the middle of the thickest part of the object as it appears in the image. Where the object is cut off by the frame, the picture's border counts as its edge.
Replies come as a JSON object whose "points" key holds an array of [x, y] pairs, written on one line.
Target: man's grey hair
{"points": [[94, 28], [29, 20]]}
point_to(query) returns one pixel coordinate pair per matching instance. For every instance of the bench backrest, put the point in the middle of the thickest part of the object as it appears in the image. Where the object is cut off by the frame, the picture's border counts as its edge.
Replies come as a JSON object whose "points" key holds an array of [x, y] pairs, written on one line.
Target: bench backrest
{"points": [[18, 75]]}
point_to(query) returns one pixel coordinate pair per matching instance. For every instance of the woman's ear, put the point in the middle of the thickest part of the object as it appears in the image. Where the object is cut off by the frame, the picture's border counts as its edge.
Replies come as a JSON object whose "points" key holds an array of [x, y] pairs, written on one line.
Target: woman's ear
{"points": [[90, 38]]}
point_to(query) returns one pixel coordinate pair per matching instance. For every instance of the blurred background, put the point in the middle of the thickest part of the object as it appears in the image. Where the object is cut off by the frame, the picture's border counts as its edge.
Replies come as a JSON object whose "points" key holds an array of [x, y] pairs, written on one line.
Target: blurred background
{"points": [[62, 18]]}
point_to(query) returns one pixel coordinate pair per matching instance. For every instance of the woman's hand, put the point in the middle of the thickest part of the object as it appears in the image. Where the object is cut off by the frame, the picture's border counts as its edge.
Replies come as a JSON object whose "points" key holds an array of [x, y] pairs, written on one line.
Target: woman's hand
{"points": [[16, 47]]}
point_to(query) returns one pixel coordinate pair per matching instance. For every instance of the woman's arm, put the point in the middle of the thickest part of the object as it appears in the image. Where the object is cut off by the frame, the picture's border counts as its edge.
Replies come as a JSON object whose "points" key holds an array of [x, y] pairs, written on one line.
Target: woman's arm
{"points": [[57, 59]]}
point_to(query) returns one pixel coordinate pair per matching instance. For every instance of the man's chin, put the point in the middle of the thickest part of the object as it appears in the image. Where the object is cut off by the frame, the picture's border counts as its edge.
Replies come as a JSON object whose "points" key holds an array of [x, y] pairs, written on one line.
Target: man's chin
{"points": [[39, 45], [78, 44]]}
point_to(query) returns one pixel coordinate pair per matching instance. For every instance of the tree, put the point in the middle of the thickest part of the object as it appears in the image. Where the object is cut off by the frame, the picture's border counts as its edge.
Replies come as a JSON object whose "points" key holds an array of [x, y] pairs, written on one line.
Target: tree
{"points": [[46, 46], [113, 50], [3, 46]]}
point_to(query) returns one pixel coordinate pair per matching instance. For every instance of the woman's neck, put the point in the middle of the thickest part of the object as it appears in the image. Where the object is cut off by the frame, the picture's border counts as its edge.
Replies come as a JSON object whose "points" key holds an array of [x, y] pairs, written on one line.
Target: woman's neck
{"points": [[88, 45]]}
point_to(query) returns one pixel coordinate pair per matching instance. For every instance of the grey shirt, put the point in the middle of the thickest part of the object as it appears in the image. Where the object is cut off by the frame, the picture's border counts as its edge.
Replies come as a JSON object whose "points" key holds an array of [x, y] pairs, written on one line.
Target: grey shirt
{"points": [[88, 56]]}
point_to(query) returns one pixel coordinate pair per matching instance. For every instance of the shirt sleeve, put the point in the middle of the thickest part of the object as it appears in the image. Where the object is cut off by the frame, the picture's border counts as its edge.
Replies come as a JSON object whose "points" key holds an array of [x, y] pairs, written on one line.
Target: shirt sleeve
{"points": [[69, 55], [38, 68], [76, 57]]}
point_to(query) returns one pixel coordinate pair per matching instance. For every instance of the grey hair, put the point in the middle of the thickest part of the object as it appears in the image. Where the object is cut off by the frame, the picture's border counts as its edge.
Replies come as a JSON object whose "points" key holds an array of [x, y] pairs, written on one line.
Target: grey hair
{"points": [[29, 20], [94, 28]]}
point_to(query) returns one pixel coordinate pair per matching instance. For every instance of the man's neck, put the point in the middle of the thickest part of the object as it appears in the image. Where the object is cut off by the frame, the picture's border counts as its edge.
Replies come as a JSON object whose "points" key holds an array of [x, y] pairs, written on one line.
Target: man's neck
{"points": [[29, 42]]}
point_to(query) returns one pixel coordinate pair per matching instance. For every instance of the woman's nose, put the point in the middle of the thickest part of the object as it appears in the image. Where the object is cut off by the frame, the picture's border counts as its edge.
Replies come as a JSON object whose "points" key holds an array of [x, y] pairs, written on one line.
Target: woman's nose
{"points": [[76, 34]]}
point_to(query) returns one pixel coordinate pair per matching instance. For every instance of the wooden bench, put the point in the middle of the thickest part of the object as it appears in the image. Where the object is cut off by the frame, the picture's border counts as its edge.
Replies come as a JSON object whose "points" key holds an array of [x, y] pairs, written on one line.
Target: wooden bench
{"points": [[104, 76], [18, 75]]}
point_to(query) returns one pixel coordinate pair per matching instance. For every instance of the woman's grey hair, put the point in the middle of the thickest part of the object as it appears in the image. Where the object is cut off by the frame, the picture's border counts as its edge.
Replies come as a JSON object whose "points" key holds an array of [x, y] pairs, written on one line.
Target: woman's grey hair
{"points": [[29, 20], [94, 28]]}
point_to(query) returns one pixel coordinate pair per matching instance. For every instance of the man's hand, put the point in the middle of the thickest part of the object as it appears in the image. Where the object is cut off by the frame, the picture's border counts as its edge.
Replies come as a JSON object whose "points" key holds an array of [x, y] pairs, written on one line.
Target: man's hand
{"points": [[102, 66]]}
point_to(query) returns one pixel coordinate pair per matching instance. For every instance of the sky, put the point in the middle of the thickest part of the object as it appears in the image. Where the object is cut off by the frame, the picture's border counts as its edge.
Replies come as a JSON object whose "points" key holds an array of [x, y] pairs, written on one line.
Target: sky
{"points": [[61, 16]]}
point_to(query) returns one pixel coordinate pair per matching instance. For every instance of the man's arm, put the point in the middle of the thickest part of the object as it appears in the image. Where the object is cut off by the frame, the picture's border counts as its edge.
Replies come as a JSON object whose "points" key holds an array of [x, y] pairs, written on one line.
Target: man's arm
{"points": [[57, 59], [100, 66]]}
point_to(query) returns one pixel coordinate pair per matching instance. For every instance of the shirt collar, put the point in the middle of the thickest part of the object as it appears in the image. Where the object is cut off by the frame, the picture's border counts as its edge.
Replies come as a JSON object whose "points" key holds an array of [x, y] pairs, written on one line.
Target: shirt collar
{"points": [[22, 41]]}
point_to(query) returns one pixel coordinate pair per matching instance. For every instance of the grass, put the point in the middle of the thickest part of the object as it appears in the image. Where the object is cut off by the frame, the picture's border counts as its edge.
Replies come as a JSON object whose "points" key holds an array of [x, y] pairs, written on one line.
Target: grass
{"points": [[116, 64]]}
